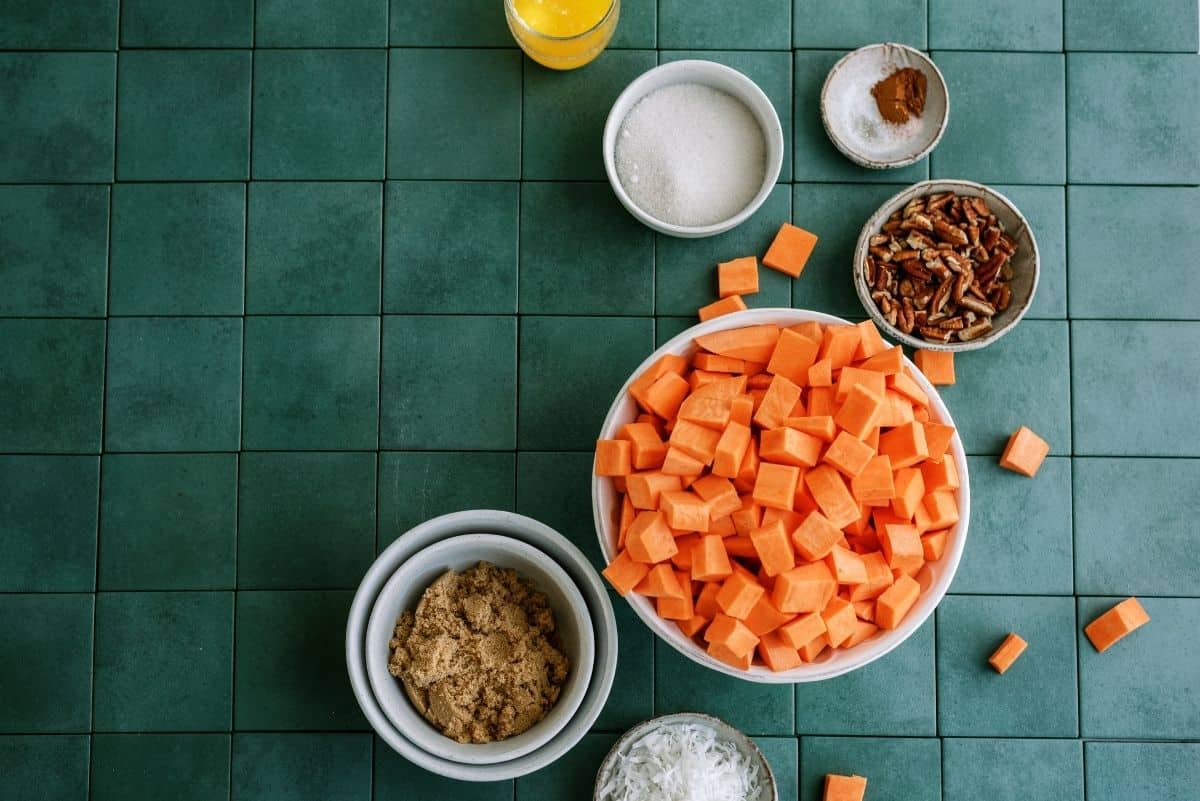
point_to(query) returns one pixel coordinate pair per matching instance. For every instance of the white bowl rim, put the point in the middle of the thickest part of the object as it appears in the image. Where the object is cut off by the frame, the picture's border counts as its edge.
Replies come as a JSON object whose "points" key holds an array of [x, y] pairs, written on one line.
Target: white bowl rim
{"points": [[434, 741], [855, 156], [862, 654], [448, 525], [750, 93], [897, 201]]}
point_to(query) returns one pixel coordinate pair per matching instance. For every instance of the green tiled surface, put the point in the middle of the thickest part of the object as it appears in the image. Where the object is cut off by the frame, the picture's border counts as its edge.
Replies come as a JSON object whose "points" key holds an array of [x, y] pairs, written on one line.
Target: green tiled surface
{"points": [[272, 294]]}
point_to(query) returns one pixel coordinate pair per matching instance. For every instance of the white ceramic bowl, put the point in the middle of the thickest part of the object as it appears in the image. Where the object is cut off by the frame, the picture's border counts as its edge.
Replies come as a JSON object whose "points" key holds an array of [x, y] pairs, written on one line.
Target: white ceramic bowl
{"points": [[851, 116], [403, 591], [934, 578], [720, 77], [549, 542], [1026, 263]]}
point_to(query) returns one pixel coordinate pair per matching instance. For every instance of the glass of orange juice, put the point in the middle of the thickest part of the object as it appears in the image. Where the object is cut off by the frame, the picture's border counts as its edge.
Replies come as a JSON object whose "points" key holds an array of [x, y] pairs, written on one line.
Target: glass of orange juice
{"points": [[562, 34]]}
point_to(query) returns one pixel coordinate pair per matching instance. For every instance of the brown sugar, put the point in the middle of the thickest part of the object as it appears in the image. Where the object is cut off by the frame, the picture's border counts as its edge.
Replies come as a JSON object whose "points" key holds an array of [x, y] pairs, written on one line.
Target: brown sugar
{"points": [[480, 657], [900, 94]]}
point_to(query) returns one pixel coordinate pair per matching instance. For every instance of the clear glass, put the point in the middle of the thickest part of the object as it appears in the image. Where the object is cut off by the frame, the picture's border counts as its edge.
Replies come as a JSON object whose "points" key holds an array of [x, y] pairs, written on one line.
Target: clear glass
{"points": [[562, 34]]}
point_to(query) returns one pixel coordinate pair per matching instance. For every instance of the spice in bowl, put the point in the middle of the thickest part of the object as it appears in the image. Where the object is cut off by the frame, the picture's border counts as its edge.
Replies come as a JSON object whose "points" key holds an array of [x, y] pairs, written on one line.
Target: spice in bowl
{"points": [[940, 267], [900, 95], [480, 657]]}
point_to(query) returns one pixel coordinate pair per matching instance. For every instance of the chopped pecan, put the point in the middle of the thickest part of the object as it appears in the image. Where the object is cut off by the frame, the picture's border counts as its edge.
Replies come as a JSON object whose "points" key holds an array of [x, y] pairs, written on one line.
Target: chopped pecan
{"points": [[950, 233], [977, 329]]}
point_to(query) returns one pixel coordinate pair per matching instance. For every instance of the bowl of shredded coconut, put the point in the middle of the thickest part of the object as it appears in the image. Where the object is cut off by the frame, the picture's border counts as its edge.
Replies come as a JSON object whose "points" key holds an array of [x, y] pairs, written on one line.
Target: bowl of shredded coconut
{"points": [[692, 148]]}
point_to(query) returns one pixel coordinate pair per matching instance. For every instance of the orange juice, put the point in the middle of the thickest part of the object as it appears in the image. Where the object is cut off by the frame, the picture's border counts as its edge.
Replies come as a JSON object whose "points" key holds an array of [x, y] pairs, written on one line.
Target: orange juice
{"points": [[562, 34]]}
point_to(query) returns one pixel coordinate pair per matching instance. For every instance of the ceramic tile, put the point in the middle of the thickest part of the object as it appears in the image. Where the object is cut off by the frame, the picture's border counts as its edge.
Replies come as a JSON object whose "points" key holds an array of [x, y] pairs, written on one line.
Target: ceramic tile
{"points": [[821, 161], [1032, 770], [48, 508], [1020, 536], [608, 267], [143, 767], [897, 769], [319, 114], [314, 248], [1114, 25], [320, 23], [1131, 382], [44, 768], [311, 383], [1045, 208], [169, 521], [397, 779], [469, 406], [1133, 118], [564, 114], [570, 777], [637, 26], [577, 364], [179, 23], [1144, 686], [48, 665], [870, 701], [432, 263], [178, 249], [71, 25], [1011, 131], [1023, 379], [783, 755], [183, 115], [173, 384], [772, 71], [51, 385], [454, 114], [666, 328], [553, 487], [1101, 219], [145, 643], [305, 520], [846, 24], [681, 685], [1036, 697], [977, 25], [710, 24], [415, 486], [1142, 771], [450, 23], [54, 250], [1133, 519], [633, 702], [301, 767], [276, 631], [835, 213], [58, 116]]}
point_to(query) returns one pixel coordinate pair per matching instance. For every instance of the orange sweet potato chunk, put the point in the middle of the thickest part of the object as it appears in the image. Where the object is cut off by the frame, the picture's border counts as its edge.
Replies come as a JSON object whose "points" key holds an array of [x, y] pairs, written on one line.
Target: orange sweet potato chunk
{"points": [[776, 654], [831, 495], [893, 604], [661, 582], [775, 485], [1114, 624], [739, 593], [859, 411], [646, 448], [719, 308], [1004, 656], [649, 539], [806, 588], [753, 343], [848, 454], [937, 365], [737, 277], [731, 633], [789, 446], [844, 788], [790, 250], [1025, 452], [623, 573], [794, 354], [815, 537], [614, 457]]}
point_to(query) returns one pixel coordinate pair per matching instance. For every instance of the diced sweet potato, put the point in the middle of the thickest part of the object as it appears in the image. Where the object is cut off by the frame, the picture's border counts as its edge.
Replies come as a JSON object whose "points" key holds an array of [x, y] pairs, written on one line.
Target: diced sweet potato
{"points": [[806, 588], [650, 539], [623, 573], [794, 354], [732, 633], [1025, 452], [775, 485], [719, 308], [1114, 624], [789, 446], [737, 277], [739, 593], [661, 582], [844, 788], [613, 457], [937, 365], [848, 454], [1004, 656], [895, 602], [776, 654], [790, 250]]}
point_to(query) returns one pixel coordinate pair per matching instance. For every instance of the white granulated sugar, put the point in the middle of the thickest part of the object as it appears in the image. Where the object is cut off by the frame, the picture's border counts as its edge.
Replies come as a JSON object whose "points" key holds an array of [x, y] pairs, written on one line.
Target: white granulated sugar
{"points": [[691, 155]]}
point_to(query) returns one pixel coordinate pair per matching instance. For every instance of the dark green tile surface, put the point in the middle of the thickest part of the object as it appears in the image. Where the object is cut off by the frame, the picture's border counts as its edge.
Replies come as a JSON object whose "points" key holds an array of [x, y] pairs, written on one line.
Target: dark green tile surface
{"points": [[553, 487], [847, 24], [1143, 687], [1045, 208], [637, 26], [48, 523], [980, 25], [570, 778], [70, 25], [896, 769], [301, 767], [1131, 382], [450, 23], [54, 250], [1142, 771], [178, 249], [634, 702], [1032, 770], [319, 114], [183, 115], [313, 247], [51, 767], [320, 23], [1117, 25], [169, 521], [143, 767], [783, 755], [48, 681], [181, 23], [164, 661], [305, 519], [396, 779], [711, 24], [173, 384], [311, 383]]}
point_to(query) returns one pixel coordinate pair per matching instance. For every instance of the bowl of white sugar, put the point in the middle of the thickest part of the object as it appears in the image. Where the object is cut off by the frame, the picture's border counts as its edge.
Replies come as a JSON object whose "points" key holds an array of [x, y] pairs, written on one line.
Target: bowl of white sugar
{"points": [[692, 148]]}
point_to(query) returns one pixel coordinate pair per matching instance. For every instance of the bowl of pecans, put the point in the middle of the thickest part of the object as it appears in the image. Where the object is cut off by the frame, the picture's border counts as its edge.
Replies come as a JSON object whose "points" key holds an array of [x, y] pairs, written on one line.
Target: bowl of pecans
{"points": [[946, 265]]}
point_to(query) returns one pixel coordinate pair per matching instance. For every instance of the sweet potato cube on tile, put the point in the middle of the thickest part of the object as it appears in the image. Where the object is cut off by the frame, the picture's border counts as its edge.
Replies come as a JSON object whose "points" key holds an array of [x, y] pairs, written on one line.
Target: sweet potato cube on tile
{"points": [[937, 365], [790, 250], [776, 654], [739, 594], [806, 588], [1004, 656], [933, 544], [875, 485], [661, 582], [732, 633], [893, 604], [1025, 452], [848, 454], [775, 553], [650, 539], [839, 619], [802, 630], [879, 577], [623, 573], [910, 491], [1114, 624], [905, 445], [832, 496], [737, 277], [794, 354], [846, 566], [902, 548], [844, 788], [858, 412], [870, 343], [776, 485], [789, 446], [942, 509], [764, 617], [777, 403], [613, 457], [815, 537]]}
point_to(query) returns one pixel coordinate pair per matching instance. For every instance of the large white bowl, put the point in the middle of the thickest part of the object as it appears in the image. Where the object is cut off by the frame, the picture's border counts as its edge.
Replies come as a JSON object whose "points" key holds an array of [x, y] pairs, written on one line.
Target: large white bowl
{"points": [[525, 529], [403, 592], [934, 578]]}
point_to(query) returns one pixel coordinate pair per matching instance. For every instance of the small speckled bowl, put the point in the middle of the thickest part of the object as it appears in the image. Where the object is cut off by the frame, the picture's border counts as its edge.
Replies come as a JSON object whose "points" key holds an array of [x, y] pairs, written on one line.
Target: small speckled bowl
{"points": [[852, 118]]}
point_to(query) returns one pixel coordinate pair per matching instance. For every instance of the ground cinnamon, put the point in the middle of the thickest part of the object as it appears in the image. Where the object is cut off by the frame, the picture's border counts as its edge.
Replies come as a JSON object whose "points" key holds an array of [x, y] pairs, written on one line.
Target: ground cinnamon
{"points": [[900, 94]]}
